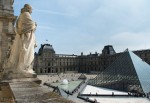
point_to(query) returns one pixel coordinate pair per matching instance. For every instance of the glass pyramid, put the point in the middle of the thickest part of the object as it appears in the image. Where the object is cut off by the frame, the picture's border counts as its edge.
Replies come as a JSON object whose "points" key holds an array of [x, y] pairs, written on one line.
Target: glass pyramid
{"points": [[82, 76], [127, 73]]}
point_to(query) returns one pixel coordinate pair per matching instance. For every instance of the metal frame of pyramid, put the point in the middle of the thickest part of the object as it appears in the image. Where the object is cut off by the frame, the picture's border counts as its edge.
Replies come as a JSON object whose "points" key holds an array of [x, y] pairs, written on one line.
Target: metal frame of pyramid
{"points": [[127, 73]]}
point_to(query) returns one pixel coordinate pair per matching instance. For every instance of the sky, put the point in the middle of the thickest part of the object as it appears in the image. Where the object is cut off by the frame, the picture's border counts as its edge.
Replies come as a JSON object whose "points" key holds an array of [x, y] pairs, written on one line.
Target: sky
{"points": [[75, 26]]}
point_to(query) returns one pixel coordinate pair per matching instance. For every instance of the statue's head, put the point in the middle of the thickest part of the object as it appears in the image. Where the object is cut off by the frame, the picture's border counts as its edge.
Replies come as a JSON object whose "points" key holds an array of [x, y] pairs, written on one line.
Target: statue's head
{"points": [[27, 8], [22, 10]]}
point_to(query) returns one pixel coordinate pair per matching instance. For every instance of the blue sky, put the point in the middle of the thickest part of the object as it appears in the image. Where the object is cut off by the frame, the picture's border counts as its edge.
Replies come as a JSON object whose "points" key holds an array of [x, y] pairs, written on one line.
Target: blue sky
{"points": [[75, 26]]}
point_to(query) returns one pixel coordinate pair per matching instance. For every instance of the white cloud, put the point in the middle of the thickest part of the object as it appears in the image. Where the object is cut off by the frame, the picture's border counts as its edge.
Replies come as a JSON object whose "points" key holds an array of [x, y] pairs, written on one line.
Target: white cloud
{"points": [[77, 8], [52, 12], [131, 40], [45, 27], [131, 37]]}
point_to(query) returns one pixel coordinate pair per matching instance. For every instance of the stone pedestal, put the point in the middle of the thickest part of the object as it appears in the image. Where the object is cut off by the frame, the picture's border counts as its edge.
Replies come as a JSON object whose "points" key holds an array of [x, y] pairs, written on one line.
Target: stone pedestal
{"points": [[10, 75], [35, 80]]}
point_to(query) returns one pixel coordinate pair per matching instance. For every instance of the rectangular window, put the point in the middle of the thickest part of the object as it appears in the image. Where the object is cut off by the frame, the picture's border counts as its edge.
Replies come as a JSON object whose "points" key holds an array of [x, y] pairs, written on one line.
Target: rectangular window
{"points": [[1, 27]]}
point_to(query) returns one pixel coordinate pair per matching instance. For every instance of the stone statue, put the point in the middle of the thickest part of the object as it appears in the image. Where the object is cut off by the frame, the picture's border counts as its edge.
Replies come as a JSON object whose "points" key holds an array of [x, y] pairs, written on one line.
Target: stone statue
{"points": [[22, 50]]}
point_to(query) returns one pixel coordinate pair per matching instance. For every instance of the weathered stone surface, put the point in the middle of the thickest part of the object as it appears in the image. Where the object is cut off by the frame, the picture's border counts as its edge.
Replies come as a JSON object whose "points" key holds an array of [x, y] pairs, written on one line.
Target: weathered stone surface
{"points": [[6, 95], [7, 33], [6, 7], [10, 74], [35, 80], [26, 91]]}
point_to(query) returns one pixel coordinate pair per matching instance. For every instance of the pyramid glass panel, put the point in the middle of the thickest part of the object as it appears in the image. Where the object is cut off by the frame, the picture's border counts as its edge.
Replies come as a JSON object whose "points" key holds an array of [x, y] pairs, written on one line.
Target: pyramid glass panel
{"points": [[128, 73], [143, 72]]}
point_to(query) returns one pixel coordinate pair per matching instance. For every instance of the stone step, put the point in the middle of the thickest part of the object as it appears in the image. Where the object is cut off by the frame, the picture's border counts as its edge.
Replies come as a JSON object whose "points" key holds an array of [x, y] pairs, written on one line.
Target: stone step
{"points": [[6, 95], [27, 91]]}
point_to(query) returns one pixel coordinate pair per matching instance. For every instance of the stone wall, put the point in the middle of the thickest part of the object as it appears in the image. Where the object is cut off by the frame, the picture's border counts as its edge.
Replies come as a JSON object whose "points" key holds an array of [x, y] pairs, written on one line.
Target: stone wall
{"points": [[7, 34]]}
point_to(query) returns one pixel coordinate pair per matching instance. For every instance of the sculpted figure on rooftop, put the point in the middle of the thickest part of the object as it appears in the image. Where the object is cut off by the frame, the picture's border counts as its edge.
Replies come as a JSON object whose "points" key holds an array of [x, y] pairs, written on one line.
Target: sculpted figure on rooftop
{"points": [[22, 50]]}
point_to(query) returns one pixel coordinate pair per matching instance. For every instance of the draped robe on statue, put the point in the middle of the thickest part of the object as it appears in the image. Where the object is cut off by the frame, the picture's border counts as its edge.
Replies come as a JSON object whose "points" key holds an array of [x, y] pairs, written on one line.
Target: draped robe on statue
{"points": [[22, 50]]}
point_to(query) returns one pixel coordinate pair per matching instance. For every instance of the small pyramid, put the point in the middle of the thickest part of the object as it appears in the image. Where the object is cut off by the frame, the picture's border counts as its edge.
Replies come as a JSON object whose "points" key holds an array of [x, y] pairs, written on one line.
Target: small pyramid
{"points": [[127, 73], [82, 76]]}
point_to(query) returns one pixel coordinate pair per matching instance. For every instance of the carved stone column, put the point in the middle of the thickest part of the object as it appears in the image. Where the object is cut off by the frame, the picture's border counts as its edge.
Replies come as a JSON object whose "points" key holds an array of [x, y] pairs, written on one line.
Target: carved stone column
{"points": [[7, 34]]}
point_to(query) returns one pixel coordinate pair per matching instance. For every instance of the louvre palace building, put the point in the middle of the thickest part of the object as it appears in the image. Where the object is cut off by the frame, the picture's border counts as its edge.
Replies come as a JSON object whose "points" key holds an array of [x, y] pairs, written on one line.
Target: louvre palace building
{"points": [[47, 61]]}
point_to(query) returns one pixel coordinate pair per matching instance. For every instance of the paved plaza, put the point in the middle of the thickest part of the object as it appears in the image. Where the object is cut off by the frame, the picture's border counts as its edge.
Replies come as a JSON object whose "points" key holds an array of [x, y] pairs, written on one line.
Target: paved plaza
{"points": [[87, 89], [51, 78], [91, 90]]}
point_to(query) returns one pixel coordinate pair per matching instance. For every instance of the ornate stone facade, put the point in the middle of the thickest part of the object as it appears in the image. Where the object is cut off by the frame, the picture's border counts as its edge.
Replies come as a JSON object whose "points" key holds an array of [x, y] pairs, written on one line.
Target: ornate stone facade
{"points": [[46, 61], [7, 34]]}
